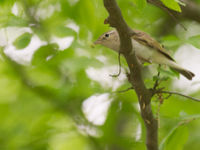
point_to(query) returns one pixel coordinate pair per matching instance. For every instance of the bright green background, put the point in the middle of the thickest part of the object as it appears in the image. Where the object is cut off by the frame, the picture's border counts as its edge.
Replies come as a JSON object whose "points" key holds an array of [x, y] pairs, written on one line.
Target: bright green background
{"points": [[41, 103]]}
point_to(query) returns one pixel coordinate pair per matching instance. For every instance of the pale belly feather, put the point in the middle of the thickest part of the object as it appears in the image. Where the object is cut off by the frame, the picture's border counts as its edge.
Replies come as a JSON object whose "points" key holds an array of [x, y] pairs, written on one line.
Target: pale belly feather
{"points": [[143, 51]]}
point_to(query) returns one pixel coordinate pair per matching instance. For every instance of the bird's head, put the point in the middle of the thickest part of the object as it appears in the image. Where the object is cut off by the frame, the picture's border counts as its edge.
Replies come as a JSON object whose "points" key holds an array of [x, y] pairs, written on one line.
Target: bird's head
{"points": [[109, 39]]}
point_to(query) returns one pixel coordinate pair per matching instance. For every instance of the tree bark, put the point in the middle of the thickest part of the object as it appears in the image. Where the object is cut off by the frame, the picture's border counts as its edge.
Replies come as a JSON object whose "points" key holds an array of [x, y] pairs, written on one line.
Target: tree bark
{"points": [[190, 11], [144, 95]]}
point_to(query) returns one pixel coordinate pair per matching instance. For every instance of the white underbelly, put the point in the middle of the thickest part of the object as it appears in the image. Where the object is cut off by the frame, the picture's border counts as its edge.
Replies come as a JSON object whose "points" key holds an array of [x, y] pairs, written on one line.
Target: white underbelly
{"points": [[142, 51]]}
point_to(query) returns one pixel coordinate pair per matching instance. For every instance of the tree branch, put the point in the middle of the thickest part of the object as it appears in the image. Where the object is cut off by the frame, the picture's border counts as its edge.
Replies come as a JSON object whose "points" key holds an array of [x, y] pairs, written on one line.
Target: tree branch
{"points": [[190, 11], [179, 94], [144, 95]]}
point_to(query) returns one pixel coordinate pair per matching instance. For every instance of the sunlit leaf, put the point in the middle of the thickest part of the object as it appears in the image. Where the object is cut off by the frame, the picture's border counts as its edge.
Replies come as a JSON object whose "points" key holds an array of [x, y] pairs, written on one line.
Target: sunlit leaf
{"points": [[172, 4]]}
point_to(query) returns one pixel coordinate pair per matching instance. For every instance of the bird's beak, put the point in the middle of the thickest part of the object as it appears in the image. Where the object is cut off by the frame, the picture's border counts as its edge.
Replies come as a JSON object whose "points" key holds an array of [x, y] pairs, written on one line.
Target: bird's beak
{"points": [[97, 42]]}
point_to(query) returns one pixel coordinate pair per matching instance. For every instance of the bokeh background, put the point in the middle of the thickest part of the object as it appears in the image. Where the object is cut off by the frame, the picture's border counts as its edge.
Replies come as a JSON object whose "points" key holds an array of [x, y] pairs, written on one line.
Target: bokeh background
{"points": [[55, 88]]}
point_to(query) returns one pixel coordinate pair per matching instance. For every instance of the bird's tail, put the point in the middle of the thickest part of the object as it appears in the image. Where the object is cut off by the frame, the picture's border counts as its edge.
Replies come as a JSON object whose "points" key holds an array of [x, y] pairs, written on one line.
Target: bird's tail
{"points": [[186, 73]]}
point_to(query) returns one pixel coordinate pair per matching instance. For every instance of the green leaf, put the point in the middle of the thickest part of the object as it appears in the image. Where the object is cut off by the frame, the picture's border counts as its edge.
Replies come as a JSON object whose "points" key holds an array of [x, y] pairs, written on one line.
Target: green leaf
{"points": [[168, 73], [62, 31], [12, 21], [140, 3], [74, 65], [176, 138], [41, 55], [172, 4], [22, 41], [171, 41], [195, 41]]}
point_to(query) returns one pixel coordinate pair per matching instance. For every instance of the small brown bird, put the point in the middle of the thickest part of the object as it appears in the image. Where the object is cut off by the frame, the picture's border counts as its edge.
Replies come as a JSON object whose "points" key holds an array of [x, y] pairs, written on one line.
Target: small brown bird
{"points": [[146, 49]]}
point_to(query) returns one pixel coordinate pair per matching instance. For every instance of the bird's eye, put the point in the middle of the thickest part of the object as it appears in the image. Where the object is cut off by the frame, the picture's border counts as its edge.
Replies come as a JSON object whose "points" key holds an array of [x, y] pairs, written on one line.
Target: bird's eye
{"points": [[106, 35]]}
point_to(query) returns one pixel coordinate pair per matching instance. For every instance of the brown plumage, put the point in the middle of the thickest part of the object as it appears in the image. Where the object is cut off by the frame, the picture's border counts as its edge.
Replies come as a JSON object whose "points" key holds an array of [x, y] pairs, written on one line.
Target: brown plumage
{"points": [[146, 49]]}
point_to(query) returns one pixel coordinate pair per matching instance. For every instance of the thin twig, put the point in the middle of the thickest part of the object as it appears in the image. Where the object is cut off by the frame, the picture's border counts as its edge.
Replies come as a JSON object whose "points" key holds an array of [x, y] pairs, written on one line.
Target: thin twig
{"points": [[126, 90], [157, 81], [179, 94], [119, 61], [168, 96], [169, 11]]}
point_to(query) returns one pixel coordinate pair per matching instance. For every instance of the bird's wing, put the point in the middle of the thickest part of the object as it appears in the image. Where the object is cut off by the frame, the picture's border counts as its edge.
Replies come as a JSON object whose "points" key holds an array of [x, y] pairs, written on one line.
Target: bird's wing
{"points": [[145, 39]]}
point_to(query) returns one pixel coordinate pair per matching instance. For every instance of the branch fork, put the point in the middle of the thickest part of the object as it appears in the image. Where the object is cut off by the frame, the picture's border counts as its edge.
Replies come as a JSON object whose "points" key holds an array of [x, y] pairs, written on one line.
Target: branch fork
{"points": [[144, 95]]}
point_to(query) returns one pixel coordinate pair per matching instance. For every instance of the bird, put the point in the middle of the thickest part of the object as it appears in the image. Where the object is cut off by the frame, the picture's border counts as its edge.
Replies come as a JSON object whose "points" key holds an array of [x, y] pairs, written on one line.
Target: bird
{"points": [[146, 49]]}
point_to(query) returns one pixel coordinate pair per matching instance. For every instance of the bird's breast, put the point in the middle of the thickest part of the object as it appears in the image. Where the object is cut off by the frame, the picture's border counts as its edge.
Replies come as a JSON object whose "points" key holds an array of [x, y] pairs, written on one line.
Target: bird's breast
{"points": [[142, 51]]}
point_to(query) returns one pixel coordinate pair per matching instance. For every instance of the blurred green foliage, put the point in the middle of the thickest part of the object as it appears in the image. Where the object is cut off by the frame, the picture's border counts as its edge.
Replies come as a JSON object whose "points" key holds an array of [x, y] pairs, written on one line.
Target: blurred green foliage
{"points": [[41, 102]]}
